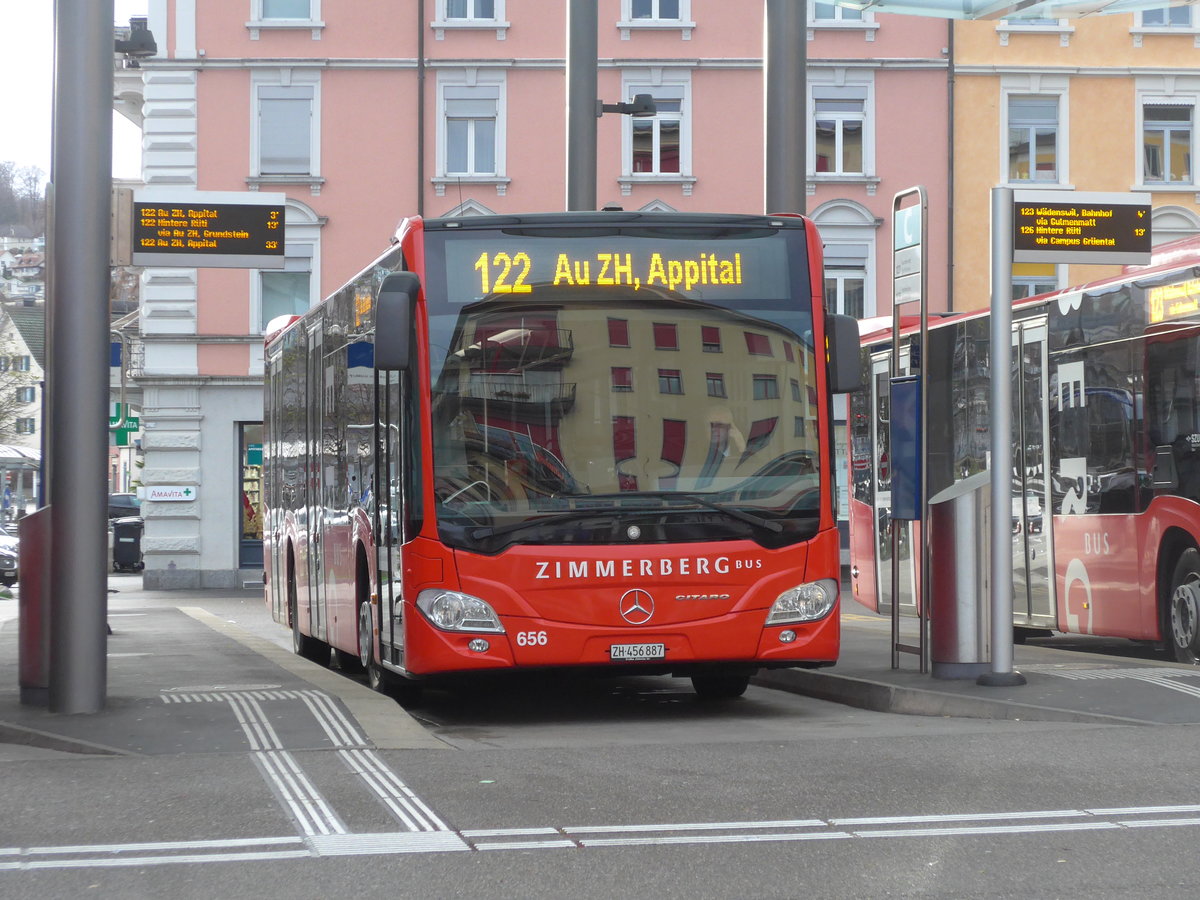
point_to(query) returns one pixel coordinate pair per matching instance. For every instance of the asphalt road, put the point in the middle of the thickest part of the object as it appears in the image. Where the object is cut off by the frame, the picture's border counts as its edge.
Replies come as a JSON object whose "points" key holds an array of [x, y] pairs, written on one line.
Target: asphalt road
{"points": [[635, 788]]}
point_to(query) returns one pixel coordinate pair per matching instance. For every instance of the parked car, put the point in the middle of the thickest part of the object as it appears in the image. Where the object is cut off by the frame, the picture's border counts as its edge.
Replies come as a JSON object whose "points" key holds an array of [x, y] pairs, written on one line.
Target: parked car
{"points": [[8, 555], [122, 505]]}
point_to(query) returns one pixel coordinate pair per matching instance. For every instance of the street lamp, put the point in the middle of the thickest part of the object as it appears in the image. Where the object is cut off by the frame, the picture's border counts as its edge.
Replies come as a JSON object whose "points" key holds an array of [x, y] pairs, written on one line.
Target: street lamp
{"points": [[641, 107]]}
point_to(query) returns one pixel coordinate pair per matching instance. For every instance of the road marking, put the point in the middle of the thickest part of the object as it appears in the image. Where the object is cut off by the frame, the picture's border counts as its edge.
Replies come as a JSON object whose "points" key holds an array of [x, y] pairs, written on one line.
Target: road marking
{"points": [[1162, 677], [297, 793], [584, 837]]}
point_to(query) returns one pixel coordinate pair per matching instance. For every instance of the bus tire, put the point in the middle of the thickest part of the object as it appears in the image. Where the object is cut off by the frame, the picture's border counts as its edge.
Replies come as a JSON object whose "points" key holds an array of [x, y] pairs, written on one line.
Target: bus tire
{"points": [[720, 687], [1181, 626], [377, 677], [303, 645]]}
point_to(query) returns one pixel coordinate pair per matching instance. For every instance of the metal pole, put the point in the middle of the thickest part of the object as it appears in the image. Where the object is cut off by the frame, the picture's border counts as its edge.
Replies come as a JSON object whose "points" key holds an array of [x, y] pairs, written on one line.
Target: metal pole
{"points": [[581, 105], [1000, 417], [81, 169], [785, 106]]}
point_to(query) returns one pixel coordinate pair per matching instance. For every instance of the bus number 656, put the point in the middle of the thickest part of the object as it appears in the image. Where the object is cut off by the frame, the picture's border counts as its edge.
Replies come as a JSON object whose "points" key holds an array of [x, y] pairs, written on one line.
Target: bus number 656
{"points": [[532, 639]]}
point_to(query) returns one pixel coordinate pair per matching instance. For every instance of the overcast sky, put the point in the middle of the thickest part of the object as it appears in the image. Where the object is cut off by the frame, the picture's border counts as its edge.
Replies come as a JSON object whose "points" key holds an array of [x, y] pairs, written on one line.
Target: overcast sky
{"points": [[26, 74]]}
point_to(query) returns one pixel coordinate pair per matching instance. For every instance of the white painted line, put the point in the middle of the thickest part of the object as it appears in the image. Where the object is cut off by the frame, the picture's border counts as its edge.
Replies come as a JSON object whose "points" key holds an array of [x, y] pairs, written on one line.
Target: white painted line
{"points": [[987, 829], [694, 826], [717, 839], [530, 845], [961, 817], [500, 832]]}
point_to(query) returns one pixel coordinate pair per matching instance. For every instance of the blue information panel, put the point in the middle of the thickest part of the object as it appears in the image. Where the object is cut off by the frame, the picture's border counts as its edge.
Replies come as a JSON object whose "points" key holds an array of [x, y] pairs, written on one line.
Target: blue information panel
{"points": [[905, 428]]}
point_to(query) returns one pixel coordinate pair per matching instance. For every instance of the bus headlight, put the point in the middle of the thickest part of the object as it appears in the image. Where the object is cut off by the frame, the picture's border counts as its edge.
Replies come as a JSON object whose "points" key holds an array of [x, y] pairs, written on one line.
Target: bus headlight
{"points": [[454, 611], [805, 603]]}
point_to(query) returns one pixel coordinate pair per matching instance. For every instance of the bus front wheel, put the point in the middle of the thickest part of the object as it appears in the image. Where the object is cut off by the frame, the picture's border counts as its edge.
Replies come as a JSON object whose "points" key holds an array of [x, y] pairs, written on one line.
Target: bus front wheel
{"points": [[1183, 609]]}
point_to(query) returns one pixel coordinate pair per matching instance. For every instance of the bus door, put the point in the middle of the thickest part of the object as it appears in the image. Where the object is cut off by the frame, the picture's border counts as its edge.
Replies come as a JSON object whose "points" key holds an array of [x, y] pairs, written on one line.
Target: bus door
{"points": [[880, 388], [392, 509], [1033, 585], [315, 481], [274, 572]]}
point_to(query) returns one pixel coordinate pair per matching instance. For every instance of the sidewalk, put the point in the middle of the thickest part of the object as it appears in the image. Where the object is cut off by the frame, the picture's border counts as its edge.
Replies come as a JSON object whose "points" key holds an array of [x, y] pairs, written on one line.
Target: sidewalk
{"points": [[176, 670], [1062, 685]]}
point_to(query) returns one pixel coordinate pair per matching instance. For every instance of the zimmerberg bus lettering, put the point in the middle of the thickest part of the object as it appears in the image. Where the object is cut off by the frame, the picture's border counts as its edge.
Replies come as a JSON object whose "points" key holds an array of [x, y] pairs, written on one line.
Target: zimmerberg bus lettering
{"points": [[581, 569]]}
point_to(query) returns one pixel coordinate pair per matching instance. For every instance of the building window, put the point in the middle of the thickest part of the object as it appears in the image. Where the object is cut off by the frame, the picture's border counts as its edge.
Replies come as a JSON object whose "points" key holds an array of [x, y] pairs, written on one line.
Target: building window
{"points": [[839, 116], [283, 294], [795, 385], [669, 381], [666, 337], [287, 9], [618, 332], [284, 130], [1167, 143], [471, 131], [716, 384], [831, 12], [766, 387], [26, 425], [658, 145], [710, 338], [757, 344], [661, 14], [1167, 17], [27, 395], [846, 290], [20, 363], [654, 9], [622, 378], [1032, 138], [1031, 279], [760, 435], [470, 136], [799, 429], [471, 10]]}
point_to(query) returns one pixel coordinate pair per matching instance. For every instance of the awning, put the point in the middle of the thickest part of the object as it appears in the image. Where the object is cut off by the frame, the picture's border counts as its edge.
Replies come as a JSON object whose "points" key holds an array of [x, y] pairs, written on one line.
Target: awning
{"points": [[1000, 9], [19, 457]]}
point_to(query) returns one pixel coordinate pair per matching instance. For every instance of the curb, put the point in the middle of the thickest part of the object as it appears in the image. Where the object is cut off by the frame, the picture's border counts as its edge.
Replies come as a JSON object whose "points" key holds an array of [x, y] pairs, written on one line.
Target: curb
{"points": [[879, 697]]}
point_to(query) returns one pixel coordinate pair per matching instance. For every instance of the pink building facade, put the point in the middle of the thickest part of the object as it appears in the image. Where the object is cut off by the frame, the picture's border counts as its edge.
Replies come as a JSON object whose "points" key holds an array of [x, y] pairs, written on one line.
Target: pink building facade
{"points": [[363, 113]]}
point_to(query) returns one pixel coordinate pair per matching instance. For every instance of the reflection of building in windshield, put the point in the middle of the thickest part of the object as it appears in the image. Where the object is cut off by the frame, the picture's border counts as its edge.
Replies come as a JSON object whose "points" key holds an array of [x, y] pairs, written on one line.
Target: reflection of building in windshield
{"points": [[617, 392]]}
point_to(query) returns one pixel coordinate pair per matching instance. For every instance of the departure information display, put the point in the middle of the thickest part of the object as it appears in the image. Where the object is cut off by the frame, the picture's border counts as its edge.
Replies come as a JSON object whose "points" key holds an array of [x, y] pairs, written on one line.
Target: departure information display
{"points": [[1070, 226], [184, 232]]}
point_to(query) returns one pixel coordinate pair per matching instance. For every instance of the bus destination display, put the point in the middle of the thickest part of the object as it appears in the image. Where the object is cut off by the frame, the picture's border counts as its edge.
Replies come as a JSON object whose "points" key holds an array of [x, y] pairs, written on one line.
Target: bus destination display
{"points": [[208, 234], [1067, 226], [699, 269]]}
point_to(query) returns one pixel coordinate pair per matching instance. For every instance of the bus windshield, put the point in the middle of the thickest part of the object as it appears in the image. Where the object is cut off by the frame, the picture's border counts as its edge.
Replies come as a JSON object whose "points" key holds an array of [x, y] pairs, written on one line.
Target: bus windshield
{"points": [[632, 383]]}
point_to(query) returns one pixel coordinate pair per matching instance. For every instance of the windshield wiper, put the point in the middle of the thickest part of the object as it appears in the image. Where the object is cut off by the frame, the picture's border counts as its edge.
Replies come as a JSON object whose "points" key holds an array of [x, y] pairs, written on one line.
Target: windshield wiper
{"points": [[700, 499]]}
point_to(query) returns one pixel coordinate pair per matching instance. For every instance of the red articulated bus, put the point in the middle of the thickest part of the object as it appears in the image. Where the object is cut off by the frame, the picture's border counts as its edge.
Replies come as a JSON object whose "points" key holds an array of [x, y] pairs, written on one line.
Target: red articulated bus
{"points": [[1105, 453], [579, 440]]}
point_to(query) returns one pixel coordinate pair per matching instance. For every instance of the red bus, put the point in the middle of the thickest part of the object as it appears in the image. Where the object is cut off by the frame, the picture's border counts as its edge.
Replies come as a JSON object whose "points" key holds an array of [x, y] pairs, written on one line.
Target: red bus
{"points": [[1105, 450], [588, 440]]}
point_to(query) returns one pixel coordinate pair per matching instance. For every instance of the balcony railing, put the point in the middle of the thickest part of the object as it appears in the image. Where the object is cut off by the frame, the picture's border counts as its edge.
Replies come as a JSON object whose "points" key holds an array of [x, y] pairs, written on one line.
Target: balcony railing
{"points": [[520, 401]]}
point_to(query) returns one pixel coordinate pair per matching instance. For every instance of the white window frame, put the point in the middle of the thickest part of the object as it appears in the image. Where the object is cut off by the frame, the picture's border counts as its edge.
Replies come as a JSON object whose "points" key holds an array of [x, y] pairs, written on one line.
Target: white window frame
{"points": [[1140, 29], [286, 78], [855, 85], [1145, 100], [669, 85], [850, 232], [1061, 27], [684, 24], [442, 23], [302, 253], [258, 22], [865, 24], [486, 84], [1042, 86]]}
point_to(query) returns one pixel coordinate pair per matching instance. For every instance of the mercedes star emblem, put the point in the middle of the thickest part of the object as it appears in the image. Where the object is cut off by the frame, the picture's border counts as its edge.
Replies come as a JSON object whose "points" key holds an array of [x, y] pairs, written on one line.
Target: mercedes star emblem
{"points": [[637, 607]]}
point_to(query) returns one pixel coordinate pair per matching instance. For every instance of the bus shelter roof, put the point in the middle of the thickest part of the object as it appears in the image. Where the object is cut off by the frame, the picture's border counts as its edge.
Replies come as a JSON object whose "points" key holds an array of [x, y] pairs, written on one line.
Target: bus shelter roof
{"points": [[12, 457], [1001, 9]]}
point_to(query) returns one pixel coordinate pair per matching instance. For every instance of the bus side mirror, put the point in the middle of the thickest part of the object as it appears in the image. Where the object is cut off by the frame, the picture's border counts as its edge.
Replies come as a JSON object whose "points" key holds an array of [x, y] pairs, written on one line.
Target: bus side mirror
{"points": [[842, 344], [393, 319]]}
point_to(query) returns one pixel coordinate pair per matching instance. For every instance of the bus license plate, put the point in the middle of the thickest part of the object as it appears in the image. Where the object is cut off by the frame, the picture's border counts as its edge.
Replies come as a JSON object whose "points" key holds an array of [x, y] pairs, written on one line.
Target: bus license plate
{"points": [[638, 651]]}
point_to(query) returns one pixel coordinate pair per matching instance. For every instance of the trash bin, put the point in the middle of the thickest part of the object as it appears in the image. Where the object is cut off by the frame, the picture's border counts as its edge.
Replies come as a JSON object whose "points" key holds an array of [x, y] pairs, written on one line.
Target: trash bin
{"points": [[127, 544], [959, 532]]}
